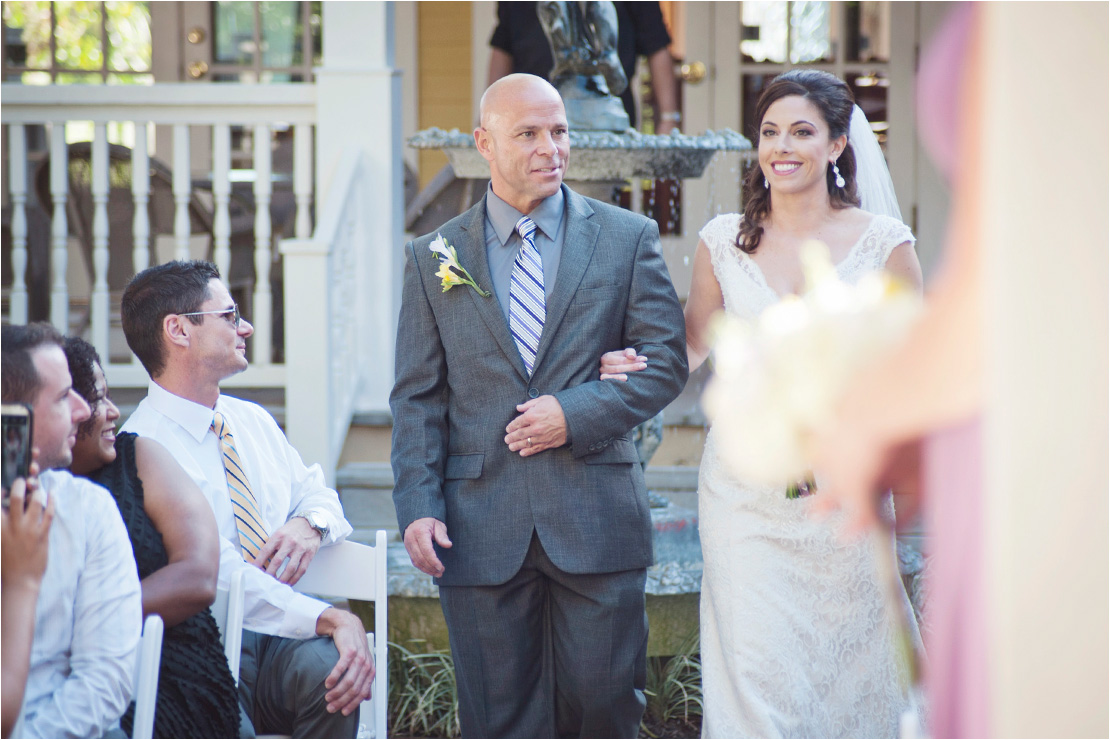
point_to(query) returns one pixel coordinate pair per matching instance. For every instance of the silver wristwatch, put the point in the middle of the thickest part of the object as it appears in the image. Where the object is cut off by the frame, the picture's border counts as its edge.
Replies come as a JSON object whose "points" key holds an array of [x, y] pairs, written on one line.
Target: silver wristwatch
{"points": [[317, 521]]}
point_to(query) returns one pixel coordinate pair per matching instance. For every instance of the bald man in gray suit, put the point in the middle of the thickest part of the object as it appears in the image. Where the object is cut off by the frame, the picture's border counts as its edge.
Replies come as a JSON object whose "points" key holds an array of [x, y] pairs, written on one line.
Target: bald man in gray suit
{"points": [[517, 486]]}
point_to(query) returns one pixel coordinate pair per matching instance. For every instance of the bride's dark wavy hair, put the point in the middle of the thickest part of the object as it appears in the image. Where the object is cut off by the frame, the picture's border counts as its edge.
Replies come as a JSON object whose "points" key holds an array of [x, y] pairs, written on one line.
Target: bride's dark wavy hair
{"points": [[834, 100]]}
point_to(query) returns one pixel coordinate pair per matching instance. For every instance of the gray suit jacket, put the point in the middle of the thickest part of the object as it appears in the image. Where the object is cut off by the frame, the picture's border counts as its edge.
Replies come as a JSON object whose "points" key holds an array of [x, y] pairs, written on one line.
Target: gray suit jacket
{"points": [[460, 377]]}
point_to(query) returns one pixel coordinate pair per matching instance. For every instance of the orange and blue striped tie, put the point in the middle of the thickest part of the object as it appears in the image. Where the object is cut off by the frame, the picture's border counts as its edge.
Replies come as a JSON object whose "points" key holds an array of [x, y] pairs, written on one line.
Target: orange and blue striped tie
{"points": [[248, 520]]}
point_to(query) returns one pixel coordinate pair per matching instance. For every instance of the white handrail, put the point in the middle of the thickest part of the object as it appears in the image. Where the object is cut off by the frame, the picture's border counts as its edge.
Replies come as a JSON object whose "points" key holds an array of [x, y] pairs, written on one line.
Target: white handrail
{"points": [[164, 103], [325, 341]]}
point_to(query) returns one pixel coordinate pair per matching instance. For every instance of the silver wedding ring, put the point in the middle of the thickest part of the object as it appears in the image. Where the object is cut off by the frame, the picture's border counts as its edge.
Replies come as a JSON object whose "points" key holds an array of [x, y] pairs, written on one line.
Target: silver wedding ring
{"points": [[529, 441]]}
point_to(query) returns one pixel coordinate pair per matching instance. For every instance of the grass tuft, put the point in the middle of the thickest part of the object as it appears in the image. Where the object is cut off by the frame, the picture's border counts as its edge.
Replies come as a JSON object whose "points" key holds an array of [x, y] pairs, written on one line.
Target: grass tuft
{"points": [[674, 695], [422, 696]]}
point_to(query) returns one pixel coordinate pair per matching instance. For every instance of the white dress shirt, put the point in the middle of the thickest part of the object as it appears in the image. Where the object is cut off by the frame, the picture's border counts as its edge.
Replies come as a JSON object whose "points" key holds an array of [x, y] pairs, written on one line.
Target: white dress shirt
{"points": [[87, 620], [282, 484]]}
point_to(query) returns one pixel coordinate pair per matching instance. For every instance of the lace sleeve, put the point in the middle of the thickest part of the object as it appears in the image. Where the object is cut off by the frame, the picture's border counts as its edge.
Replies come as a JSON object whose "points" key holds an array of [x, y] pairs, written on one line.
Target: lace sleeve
{"points": [[719, 236], [886, 233]]}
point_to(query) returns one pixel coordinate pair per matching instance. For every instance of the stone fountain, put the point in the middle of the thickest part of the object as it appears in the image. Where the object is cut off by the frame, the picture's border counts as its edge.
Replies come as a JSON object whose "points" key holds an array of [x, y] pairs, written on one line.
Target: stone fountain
{"points": [[601, 156]]}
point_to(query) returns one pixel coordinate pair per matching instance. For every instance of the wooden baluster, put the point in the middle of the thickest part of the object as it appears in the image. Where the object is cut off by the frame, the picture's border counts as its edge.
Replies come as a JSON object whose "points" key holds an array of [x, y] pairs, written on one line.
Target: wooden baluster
{"points": [[17, 177], [262, 309], [99, 303], [181, 191], [221, 192], [302, 179], [142, 250], [59, 231]]}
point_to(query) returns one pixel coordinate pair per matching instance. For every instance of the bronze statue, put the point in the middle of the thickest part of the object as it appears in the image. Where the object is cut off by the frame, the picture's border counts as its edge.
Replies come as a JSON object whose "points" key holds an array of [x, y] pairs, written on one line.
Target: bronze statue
{"points": [[587, 71]]}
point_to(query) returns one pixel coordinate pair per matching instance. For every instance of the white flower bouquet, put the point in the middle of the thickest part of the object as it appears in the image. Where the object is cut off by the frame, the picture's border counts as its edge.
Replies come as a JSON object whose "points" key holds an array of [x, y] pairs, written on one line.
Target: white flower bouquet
{"points": [[779, 379]]}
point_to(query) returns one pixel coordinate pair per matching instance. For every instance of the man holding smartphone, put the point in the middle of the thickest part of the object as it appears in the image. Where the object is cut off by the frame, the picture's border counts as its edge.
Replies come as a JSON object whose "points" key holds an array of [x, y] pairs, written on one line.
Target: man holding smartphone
{"points": [[88, 618]]}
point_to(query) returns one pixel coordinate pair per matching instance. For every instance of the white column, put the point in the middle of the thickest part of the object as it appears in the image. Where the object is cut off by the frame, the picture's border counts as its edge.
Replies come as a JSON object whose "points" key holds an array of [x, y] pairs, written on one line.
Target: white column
{"points": [[1044, 233], [182, 189], [359, 102], [100, 166], [358, 105], [141, 252], [221, 193], [262, 303], [59, 227], [17, 173]]}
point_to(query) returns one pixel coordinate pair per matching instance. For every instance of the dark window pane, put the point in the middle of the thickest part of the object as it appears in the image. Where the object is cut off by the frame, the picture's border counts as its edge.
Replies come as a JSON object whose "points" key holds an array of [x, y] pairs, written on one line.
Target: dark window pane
{"points": [[871, 91], [233, 32], [280, 21], [867, 26], [751, 86]]}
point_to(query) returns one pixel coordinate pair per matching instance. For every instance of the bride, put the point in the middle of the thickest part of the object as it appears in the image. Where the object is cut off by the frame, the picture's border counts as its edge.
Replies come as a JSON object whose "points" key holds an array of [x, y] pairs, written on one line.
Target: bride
{"points": [[794, 639]]}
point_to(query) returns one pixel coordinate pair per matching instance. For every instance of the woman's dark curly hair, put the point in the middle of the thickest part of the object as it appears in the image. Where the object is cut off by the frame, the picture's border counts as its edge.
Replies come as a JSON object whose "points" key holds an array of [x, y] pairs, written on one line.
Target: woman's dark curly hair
{"points": [[834, 99], [83, 359]]}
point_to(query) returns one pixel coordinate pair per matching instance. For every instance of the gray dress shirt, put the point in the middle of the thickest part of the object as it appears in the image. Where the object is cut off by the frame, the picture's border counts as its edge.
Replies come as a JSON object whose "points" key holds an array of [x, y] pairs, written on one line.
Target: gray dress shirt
{"points": [[503, 242]]}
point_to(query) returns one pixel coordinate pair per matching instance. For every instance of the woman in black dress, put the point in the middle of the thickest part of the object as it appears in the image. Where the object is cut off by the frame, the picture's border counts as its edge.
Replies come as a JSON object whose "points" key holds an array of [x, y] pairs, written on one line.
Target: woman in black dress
{"points": [[174, 536]]}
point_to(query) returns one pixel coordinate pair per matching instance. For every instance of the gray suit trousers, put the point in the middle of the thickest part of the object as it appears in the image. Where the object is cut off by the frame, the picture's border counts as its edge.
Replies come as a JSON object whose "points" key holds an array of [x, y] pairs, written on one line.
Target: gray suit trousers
{"points": [[281, 686], [549, 653]]}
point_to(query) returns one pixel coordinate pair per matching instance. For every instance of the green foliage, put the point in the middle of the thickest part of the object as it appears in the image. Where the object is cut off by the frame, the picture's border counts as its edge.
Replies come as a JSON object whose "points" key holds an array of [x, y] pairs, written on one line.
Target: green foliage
{"points": [[77, 37], [422, 697], [674, 687]]}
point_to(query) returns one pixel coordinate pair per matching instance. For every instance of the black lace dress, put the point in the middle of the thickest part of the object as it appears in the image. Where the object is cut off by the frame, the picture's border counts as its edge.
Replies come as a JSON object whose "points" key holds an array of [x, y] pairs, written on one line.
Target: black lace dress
{"points": [[196, 695]]}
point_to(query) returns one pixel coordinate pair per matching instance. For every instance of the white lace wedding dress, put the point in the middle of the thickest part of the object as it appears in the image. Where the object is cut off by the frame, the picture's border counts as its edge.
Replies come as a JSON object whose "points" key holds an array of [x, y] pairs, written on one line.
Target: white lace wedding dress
{"points": [[794, 639]]}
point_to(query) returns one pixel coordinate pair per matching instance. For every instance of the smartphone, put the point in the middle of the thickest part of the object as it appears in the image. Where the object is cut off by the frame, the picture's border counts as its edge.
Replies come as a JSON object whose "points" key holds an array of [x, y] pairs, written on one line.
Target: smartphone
{"points": [[17, 444]]}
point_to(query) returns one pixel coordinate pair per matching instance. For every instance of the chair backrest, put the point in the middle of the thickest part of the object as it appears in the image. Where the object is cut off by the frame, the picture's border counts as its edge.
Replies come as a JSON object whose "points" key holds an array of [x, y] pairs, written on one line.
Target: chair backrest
{"points": [[349, 570], [146, 677], [227, 610]]}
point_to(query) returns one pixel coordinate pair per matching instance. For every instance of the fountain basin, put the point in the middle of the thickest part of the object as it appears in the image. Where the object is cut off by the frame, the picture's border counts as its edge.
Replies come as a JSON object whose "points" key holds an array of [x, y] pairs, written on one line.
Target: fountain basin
{"points": [[672, 588], [601, 155]]}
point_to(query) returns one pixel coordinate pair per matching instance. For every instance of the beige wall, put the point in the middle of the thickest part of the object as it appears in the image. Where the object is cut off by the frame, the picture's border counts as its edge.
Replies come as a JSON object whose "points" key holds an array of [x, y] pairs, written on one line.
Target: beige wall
{"points": [[1045, 238], [444, 70]]}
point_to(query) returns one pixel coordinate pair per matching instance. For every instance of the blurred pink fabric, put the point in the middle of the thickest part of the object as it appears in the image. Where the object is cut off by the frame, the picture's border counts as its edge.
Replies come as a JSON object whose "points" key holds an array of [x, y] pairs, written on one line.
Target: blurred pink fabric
{"points": [[956, 678], [956, 674]]}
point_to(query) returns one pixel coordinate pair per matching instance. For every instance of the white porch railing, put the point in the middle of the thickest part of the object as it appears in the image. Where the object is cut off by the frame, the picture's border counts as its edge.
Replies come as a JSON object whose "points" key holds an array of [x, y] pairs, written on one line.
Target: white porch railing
{"points": [[191, 110], [327, 347]]}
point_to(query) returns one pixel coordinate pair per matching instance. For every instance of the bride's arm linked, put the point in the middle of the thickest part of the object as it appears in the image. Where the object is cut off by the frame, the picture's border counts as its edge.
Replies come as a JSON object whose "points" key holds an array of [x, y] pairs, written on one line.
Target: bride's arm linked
{"points": [[704, 300]]}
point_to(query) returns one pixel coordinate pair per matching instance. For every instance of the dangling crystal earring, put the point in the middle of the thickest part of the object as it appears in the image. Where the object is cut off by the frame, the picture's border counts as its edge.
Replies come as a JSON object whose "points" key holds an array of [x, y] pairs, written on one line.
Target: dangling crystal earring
{"points": [[836, 171], [766, 185]]}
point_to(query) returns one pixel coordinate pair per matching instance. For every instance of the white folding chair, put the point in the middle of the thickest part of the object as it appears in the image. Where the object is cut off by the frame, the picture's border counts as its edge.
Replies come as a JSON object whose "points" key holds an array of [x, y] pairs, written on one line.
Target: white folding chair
{"points": [[146, 677], [227, 610], [349, 570]]}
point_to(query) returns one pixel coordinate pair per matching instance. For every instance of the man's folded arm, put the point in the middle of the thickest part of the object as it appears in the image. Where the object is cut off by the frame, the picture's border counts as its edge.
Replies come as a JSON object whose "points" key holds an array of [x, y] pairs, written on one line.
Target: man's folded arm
{"points": [[599, 411], [419, 405]]}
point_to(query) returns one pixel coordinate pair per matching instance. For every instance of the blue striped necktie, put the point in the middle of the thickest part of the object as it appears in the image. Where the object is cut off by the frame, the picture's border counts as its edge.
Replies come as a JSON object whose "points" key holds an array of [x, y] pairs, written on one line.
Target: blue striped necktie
{"points": [[248, 519], [527, 309]]}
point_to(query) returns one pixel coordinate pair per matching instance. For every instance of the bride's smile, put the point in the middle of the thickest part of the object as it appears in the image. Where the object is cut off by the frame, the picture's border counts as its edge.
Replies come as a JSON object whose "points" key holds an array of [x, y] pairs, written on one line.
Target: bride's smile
{"points": [[794, 145]]}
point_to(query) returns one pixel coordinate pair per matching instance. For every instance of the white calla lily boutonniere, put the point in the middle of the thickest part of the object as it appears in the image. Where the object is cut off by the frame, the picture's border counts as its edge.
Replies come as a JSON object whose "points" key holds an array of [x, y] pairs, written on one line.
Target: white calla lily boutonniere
{"points": [[450, 272]]}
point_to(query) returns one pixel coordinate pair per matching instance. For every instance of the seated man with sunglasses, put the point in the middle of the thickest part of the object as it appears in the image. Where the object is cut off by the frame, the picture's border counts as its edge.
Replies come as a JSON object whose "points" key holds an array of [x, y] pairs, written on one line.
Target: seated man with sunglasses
{"points": [[305, 665]]}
